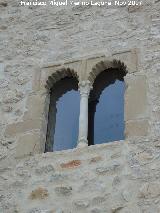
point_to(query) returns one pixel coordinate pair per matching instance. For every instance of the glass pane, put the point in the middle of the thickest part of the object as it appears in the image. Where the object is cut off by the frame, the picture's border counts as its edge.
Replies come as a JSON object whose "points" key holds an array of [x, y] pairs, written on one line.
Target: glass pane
{"points": [[67, 119], [109, 115]]}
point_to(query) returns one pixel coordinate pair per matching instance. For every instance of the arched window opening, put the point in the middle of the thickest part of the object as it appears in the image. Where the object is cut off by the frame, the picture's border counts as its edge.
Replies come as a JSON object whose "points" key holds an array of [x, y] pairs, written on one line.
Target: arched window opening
{"points": [[62, 132], [106, 107]]}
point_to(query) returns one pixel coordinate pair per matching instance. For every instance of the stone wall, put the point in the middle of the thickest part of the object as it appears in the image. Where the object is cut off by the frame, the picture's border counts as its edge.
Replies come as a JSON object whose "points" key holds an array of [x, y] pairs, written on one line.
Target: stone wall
{"points": [[116, 177]]}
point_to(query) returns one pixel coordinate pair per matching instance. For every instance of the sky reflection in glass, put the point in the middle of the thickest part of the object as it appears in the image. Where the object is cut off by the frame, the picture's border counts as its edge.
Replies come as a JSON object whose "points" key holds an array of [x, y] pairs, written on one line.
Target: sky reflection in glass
{"points": [[109, 116], [67, 119]]}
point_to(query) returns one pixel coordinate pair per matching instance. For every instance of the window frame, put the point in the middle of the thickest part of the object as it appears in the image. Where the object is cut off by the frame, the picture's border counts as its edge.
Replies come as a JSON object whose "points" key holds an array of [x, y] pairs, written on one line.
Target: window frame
{"points": [[31, 131]]}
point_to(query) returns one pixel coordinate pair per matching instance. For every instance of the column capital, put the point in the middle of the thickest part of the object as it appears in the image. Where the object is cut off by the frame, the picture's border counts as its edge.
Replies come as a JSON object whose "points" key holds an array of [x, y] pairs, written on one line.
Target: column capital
{"points": [[85, 87]]}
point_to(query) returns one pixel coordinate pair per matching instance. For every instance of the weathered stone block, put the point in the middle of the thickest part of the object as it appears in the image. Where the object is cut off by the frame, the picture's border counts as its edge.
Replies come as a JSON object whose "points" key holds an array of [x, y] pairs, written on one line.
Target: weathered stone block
{"points": [[95, 159], [63, 190], [39, 193], [45, 169], [35, 107], [98, 200], [71, 164], [150, 190], [28, 144], [22, 127], [36, 80], [108, 169], [117, 209], [1, 70], [12, 97], [136, 128], [136, 98], [96, 210], [3, 83], [58, 177], [81, 204], [116, 181], [130, 59], [134, 8]]}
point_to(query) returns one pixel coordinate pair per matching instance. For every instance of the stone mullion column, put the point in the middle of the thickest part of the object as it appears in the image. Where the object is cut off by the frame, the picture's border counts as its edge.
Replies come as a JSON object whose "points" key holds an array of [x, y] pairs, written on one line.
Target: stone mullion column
{"points": [[84, 88]]}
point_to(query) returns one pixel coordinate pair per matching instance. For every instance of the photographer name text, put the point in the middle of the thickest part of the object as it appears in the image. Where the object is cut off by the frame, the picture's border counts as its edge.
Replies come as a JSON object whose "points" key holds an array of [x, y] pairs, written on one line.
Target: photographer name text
{"points": [[83, 3]]}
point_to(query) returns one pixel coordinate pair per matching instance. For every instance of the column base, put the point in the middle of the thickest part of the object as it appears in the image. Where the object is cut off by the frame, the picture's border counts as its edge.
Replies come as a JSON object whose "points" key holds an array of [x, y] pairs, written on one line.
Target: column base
{"points": [[82, 143]]}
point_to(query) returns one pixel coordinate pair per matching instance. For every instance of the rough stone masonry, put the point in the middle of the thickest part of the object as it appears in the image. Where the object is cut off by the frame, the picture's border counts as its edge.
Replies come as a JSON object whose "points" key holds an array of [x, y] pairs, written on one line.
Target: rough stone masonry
{"points": [[118, 177]]}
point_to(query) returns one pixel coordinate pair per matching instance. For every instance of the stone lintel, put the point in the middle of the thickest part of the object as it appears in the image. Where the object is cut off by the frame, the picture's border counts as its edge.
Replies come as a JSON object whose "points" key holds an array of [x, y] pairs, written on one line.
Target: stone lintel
{"points": [[83, 66]]}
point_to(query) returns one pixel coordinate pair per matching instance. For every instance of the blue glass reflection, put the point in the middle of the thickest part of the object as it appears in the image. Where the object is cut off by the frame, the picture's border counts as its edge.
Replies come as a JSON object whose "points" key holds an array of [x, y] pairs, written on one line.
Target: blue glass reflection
{"points": [[109, 116], [67, 119]]}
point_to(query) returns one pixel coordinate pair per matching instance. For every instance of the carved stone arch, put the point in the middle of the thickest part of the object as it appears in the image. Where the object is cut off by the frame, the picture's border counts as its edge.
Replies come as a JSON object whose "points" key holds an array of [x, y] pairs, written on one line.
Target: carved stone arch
{"points": [[60, 74], [106, 65]]}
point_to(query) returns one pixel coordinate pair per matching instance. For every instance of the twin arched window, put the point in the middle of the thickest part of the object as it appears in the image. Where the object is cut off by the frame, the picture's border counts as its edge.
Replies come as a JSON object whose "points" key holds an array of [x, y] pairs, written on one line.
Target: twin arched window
{"points": [[105, 111]]}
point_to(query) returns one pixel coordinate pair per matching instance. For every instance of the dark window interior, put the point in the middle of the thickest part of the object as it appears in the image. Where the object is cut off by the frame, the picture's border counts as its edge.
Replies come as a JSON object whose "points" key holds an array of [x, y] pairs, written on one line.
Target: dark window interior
{"points": [[106, 108]]}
